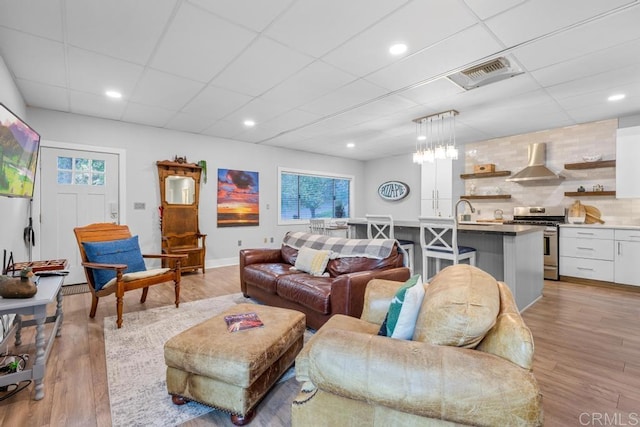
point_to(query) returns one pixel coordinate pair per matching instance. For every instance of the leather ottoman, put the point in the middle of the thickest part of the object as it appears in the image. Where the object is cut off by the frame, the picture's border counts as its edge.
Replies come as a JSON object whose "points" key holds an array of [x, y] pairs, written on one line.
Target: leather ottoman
{"points": [[232, 371]]}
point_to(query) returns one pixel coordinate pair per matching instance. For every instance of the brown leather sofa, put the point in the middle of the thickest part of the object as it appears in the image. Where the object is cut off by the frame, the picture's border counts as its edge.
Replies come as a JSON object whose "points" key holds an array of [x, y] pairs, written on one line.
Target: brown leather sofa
{"points": [[266, 275], [352, 376]]}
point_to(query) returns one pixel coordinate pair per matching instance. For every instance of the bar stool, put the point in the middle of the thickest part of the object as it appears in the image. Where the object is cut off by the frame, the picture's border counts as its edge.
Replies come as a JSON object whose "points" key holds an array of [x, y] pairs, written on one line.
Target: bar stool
{"points": [[439, 240], [381, 227], [317, 226]]}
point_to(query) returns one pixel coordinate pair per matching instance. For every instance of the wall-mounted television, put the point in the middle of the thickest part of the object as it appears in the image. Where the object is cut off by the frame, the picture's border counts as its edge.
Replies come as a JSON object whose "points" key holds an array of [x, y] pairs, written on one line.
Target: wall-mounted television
{"points": [[19, 145]]}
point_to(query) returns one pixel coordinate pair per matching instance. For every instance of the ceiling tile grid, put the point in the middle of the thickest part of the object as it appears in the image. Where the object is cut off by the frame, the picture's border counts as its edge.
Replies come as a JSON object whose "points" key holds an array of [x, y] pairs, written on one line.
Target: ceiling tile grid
{"points": [[316, 75]]}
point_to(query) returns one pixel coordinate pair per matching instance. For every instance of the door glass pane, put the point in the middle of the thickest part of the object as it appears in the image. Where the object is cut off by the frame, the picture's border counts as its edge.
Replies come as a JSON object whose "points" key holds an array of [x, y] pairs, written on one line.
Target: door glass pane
{"points": [[82, 164]]}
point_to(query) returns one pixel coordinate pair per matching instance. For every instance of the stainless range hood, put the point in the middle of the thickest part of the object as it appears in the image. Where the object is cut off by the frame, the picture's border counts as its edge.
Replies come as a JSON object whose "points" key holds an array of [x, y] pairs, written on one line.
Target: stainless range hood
{"points": [[536, 171]]}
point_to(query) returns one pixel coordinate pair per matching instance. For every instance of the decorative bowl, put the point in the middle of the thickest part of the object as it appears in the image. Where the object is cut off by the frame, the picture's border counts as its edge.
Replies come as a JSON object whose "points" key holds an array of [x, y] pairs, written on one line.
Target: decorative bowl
{"points": [[592, 157], [341, 222]]}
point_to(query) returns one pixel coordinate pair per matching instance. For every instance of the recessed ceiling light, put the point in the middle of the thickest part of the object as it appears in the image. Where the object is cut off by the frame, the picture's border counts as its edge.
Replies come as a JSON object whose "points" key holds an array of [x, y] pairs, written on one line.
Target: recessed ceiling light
{"points": [[113, 94], [616, 97], [249, 123], [350, 144], [398, 49]]}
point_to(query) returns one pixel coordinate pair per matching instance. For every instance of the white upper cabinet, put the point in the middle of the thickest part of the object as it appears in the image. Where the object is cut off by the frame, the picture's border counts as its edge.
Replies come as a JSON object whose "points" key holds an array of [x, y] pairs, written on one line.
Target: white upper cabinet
{"points": [[437, 188], [627, 155]]}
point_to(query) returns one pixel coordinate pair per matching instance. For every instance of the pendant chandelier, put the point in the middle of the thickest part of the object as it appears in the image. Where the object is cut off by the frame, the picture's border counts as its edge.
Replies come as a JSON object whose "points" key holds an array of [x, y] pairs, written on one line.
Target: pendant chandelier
{"points": [[436, 137]]}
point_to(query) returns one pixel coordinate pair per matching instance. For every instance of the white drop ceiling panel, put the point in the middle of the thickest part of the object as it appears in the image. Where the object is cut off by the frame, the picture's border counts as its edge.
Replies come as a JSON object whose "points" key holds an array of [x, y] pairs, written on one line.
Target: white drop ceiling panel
{"points": [[258, 110], [417, 24], [198, 44], [310, 83], [44, 62], [94, 73], [583, 66], [488, 8], [43, 18], [263, 65], [586, 39], [118, 28], [92, 105], [253, 14], [147, 115], [189, 123], [316, 27], [224, 129], [43, 95], [207, 102], [461, 48], [350, 95], [165, 90], [532, 19]]}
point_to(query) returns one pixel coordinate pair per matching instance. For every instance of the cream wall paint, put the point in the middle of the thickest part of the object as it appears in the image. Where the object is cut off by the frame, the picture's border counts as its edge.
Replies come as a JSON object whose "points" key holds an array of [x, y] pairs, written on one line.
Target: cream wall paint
{"points": [[13, 211], [145, 145]]}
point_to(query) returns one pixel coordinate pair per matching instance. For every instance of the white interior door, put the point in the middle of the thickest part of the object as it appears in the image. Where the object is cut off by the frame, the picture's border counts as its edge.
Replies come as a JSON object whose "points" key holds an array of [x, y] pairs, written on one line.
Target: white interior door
{"points": [[77, 188]]}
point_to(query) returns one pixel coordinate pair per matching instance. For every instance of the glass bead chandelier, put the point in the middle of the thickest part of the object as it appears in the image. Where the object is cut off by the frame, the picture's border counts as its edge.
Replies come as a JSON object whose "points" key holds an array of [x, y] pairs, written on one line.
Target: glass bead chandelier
{"points": [[436, 137]]}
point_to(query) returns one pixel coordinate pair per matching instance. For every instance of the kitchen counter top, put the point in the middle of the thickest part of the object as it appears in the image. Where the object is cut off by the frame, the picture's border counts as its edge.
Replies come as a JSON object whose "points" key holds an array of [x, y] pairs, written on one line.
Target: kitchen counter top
{"points": [[468, 226], [612, 226]]}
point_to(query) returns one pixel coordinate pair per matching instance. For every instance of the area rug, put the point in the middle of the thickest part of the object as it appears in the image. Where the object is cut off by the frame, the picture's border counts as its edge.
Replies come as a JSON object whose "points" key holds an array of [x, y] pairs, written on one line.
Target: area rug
{"points": [[135, 361]]}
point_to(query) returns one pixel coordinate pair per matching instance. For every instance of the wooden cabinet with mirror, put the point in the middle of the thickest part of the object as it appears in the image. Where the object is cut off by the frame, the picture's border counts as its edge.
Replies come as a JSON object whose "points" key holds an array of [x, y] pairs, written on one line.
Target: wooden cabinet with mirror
{"points": [[179, 194]]}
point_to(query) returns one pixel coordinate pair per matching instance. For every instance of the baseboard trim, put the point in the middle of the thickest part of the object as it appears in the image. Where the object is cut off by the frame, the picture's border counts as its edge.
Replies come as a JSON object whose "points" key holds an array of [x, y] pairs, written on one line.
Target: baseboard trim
{"points": [[600, 283]]}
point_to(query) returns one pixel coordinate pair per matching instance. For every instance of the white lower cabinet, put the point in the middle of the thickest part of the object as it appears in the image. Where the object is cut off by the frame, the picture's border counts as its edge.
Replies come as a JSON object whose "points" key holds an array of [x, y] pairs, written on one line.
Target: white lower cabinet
{"points": [[627, 257], [587, 253]]}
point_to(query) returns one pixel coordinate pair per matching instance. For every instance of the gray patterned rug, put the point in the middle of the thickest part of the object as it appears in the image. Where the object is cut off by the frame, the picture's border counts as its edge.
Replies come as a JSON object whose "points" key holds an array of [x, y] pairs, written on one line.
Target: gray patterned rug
{"points": [[135, 362]]}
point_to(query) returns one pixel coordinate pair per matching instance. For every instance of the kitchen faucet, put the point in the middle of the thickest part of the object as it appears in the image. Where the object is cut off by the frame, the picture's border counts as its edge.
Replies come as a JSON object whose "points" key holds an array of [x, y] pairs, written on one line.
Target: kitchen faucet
{"points": [[458, 204]]}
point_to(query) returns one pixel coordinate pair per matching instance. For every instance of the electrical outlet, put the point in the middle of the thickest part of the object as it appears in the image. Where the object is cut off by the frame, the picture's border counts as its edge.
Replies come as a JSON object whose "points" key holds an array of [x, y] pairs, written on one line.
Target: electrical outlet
{"points": [[239, 242], [139, 205], [272, 240], [265, 240]]}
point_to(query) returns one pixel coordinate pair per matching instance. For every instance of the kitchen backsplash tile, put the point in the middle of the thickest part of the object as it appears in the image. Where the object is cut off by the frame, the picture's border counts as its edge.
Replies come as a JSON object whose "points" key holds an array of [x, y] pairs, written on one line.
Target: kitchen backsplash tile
{"points": [[564, 145]]}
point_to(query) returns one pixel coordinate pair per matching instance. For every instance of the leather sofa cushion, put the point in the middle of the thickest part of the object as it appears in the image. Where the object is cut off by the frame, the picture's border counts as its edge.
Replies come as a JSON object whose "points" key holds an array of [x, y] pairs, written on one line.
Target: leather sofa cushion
{"points": [[339, 266], [289, 254], [309, 291], [460, 306], [265, 276]]}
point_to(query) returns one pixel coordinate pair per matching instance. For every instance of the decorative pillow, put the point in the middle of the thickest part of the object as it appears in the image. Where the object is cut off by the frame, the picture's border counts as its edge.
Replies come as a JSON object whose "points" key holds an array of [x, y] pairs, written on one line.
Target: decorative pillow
{"points": [[400, 321], [460, 306], [312, 261], [126, 251]]}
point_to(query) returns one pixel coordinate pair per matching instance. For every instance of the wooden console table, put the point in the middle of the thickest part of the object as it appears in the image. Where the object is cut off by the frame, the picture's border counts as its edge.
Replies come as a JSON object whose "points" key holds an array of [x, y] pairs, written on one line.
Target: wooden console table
{"points": [[49, 289]]}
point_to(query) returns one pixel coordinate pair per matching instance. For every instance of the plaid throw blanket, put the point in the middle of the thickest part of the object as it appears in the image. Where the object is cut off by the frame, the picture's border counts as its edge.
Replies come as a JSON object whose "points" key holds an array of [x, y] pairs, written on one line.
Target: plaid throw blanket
{"points": [[341, 248]]}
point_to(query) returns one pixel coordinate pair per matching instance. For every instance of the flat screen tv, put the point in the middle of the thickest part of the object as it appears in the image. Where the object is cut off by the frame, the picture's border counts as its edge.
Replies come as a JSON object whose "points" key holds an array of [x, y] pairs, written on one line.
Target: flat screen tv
{"points": [[19, 145]]}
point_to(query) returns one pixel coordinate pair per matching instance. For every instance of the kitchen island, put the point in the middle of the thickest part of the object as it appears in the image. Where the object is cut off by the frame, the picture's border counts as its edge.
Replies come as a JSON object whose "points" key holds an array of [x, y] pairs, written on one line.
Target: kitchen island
{"points": [[512, 253]]}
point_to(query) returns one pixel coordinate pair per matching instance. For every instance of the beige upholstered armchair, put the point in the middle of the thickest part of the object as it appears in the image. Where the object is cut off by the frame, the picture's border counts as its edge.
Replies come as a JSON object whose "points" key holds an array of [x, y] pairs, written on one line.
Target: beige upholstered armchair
{"points": [[477, 373]]}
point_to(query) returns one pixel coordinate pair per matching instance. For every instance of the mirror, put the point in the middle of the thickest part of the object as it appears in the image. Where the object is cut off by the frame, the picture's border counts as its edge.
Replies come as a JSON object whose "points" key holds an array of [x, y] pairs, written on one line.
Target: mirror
{"points": [[180, 190]]}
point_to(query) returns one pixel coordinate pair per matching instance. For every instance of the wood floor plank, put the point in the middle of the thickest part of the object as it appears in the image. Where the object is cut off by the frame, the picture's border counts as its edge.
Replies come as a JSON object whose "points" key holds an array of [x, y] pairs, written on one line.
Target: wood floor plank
{"points": [[586, 361]]}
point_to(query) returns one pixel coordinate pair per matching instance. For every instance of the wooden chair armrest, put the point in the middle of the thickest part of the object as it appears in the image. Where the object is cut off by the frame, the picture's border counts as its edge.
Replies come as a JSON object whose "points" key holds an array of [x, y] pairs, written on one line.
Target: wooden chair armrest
{"points": [[165, 256], [105, 266]]}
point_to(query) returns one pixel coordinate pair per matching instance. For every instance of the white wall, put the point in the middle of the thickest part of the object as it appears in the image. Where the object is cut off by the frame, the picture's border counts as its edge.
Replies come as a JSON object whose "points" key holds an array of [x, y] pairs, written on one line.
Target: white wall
{"points": [[145, 145], [13, 211]]}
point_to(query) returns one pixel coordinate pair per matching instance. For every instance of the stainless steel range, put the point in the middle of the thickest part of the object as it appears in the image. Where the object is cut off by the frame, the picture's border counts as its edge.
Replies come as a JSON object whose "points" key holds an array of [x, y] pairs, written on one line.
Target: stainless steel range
{"points": [[550, 218]]}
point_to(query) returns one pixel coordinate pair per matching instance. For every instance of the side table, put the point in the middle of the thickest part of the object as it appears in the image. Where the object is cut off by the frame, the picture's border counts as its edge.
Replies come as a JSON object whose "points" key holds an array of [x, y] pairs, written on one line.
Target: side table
{"points": [[49, 289]]}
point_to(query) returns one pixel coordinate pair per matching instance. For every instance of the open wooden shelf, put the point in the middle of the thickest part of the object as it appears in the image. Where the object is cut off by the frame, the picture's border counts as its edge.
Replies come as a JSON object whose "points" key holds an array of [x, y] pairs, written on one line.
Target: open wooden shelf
{"points": [[484, 174], [591, 165], [488, 196], [589, 193]]}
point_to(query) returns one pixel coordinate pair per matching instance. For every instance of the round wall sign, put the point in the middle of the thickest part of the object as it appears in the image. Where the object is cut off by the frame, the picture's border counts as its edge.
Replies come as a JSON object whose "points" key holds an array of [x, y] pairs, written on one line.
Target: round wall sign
{"points": [[393, 190]]}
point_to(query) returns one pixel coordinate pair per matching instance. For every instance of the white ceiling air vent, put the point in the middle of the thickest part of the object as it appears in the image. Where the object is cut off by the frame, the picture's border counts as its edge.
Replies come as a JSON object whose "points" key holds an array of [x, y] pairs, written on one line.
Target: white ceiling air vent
{"points": [[489, 72]]}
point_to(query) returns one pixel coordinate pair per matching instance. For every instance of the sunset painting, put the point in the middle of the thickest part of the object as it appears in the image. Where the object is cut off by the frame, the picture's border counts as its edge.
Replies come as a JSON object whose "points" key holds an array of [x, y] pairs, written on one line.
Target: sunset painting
{"points": [[238, 198]]}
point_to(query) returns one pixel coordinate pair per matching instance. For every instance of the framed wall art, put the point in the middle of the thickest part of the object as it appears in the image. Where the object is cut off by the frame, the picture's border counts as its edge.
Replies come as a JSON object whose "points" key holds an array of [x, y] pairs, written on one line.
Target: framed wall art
{"points": [[238, 198]]}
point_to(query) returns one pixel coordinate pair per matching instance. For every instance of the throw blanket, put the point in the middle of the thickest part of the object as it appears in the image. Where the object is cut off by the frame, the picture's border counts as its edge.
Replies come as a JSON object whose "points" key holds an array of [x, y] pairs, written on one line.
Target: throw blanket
{"points": [[341, 248]]}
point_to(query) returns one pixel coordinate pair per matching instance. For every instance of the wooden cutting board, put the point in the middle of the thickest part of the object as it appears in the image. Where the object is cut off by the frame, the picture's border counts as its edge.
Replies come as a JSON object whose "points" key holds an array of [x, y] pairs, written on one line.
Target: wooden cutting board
{"points": [[592, 215], [577, 213]]}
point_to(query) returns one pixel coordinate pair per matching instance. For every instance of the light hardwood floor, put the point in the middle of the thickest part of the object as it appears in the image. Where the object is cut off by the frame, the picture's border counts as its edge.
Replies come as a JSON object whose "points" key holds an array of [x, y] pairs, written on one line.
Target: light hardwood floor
{"points": [[587, 358]]}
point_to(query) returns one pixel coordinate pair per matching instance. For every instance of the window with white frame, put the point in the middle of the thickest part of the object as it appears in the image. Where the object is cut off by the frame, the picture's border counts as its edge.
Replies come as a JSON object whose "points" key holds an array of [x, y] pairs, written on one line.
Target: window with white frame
{"points": [[305, 194]]}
